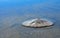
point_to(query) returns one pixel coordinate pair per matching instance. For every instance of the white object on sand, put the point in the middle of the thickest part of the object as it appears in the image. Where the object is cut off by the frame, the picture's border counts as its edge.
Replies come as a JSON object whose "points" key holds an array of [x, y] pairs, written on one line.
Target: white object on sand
{"points": [[37, 23]]}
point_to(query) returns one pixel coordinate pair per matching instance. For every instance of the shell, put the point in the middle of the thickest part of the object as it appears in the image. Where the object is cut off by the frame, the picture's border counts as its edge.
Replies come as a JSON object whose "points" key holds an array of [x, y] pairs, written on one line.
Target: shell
{"points": [[37, 23]]}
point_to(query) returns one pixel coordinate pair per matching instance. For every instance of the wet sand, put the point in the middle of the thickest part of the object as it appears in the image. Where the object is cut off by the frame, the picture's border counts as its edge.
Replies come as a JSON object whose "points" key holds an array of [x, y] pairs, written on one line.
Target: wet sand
{"points": [[12, 17]]}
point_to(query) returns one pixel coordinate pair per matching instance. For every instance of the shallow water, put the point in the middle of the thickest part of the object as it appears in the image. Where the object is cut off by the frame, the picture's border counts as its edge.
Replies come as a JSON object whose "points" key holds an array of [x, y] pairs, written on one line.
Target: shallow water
{"points": [[13, 13]]}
